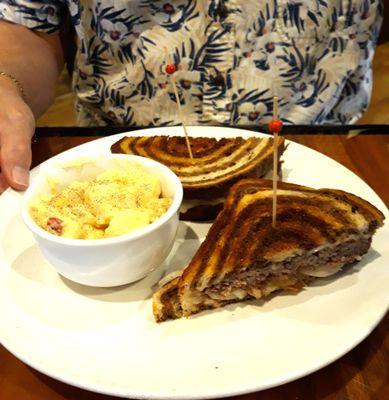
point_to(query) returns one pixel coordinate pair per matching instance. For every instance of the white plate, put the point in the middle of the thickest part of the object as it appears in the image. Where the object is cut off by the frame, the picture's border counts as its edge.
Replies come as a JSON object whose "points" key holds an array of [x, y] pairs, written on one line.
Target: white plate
{"points": [[106, 340]]}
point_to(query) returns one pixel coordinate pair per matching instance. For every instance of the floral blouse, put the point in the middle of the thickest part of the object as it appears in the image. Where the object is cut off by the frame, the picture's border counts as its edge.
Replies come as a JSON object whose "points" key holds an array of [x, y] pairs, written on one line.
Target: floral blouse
{"points": [[232, 57]]}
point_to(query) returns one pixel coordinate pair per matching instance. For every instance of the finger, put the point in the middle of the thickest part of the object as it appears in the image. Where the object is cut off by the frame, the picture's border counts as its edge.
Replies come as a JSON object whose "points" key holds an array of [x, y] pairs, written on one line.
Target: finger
{"points": [[16, 156], [3, 183]]}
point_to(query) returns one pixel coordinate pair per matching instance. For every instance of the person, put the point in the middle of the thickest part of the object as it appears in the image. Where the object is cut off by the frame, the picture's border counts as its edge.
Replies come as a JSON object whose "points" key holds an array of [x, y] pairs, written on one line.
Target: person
{"points": [[232, 57]]}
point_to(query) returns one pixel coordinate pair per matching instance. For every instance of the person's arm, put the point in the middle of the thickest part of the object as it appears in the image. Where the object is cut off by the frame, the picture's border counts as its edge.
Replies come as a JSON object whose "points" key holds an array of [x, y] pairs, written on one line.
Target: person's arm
{"points": [[34, 59]]}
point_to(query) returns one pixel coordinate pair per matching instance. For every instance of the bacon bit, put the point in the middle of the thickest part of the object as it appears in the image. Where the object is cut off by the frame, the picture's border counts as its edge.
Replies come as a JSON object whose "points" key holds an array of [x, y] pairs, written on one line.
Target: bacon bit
{"points": [[55, 225]]}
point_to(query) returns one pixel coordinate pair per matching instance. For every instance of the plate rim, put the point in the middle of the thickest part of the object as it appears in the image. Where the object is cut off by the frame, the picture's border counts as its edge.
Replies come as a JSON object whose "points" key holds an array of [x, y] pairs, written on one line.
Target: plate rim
{"points": [[294, 375]]}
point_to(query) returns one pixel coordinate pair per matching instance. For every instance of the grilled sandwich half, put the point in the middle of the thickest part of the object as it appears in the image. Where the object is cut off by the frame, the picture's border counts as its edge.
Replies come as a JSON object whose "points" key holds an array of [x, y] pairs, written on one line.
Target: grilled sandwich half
{"points": [[217, 164], [244, 257]]}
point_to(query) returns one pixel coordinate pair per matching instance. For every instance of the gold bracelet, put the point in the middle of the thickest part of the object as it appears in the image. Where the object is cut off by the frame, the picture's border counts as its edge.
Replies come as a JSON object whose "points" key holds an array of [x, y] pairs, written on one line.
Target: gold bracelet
{"points": [[16, 82]]}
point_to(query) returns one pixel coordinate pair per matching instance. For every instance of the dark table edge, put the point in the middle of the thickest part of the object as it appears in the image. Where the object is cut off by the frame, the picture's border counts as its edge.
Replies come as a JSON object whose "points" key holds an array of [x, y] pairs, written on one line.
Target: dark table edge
{"points": [[287, 130]]}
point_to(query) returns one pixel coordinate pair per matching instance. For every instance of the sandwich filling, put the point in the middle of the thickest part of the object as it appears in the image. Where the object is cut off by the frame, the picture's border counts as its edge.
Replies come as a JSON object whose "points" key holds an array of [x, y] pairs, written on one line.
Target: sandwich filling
{"points": [[291, 274]]}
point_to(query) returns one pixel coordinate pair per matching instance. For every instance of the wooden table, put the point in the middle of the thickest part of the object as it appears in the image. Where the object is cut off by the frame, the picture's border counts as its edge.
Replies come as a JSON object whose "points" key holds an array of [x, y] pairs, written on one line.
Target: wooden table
{"points": [[361, 374]]}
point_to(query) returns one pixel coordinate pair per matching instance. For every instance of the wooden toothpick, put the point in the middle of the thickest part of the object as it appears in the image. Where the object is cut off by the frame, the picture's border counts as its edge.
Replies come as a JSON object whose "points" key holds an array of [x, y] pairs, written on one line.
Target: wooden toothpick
{"points": [[170, 69], [275, 173], [275, 127], [275, 108]]}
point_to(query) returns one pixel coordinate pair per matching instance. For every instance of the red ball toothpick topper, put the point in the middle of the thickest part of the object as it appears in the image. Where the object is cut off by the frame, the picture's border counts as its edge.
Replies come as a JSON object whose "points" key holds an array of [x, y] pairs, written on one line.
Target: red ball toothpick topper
{"points": [[170, 69], [275, 126]]}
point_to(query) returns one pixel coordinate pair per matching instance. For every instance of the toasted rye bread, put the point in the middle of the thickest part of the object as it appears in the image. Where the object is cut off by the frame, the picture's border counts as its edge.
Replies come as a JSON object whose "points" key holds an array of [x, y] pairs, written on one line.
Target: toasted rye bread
{"points": [[217, 164], [318, 231]]}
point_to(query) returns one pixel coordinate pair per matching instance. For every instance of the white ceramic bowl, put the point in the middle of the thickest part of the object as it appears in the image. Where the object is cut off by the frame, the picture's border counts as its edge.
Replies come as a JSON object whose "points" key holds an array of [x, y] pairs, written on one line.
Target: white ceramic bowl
{"points": [[110, 261]]}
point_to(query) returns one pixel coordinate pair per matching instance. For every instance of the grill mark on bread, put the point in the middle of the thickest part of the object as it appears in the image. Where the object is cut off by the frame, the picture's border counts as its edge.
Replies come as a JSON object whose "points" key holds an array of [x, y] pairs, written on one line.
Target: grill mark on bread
{"points": [[235, 152], [201, 147], [226, 230], [138, 146], [162, 148], [217, 189], [305, 203], [255, 168], [266, 236], [292, 236], [358, 205], [156, 147], [230, 164], [202, 165], [206, 248], [253, 233], [154, 150], [213, 154], [165, 146], [221, 147], [257, 209], [252, 240]]}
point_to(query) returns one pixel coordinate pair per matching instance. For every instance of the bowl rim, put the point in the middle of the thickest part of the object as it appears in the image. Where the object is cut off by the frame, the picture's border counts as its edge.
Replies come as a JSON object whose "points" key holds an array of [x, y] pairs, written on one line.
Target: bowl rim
{"points": [[127, 237]]}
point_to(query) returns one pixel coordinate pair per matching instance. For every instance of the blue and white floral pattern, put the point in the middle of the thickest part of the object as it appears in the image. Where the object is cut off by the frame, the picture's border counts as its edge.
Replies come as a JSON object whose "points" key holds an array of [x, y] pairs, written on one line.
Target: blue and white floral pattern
{"points": [[233, 56]]}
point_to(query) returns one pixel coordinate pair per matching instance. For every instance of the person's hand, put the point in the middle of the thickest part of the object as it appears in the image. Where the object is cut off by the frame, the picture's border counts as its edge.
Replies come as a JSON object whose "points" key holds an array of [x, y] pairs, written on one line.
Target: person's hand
{"points": [[17, 126]]}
